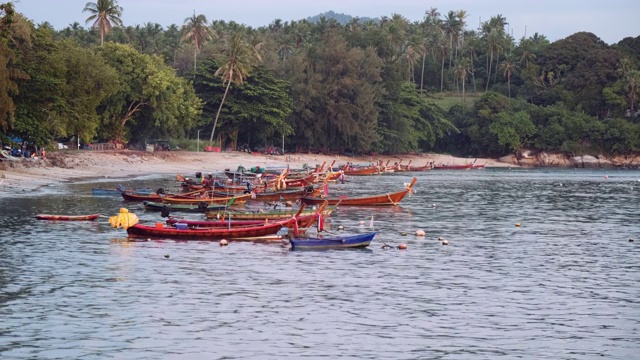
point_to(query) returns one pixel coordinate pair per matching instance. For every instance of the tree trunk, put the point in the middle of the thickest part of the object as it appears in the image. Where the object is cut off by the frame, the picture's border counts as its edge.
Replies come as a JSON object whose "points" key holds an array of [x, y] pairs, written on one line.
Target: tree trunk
{"points": [[424, 55], [215, 123], [442, 73], [489, 74]]}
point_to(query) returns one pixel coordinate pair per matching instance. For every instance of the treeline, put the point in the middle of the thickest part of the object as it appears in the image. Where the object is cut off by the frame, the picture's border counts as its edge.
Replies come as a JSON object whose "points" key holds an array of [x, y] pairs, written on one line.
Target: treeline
{"points": [[387, 86]]}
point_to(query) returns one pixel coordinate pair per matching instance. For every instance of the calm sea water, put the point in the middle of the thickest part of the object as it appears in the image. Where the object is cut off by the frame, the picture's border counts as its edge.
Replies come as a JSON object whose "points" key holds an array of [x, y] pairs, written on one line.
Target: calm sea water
{"points": [[563, 285]]}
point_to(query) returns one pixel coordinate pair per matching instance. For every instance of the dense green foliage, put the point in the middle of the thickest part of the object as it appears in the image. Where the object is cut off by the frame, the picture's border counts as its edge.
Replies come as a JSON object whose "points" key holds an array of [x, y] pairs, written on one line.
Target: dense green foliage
{"points": [[354, 85]]}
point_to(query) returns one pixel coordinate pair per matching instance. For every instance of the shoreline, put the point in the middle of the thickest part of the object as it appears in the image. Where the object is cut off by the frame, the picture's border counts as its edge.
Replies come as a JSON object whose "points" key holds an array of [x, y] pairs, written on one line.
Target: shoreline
{"points": [[89, 165]]}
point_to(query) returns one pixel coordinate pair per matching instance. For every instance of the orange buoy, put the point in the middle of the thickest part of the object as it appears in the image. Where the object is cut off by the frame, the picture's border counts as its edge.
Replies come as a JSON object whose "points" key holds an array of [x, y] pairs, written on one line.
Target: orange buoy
{"points": [[402, 247], [517, 224]]}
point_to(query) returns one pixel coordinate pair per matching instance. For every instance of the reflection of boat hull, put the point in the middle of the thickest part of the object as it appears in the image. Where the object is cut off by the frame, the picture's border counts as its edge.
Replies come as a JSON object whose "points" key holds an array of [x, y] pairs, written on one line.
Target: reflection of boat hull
{"points": [[67, 217], [330, 243], [377, 200]]}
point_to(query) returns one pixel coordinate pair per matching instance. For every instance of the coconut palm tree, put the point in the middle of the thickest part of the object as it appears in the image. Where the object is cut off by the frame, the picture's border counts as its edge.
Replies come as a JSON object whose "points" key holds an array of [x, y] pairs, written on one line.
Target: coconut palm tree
{"points": [[104, 14], [195, 30], [237, 58], [461, 71], [632, 86], [509, 67]]}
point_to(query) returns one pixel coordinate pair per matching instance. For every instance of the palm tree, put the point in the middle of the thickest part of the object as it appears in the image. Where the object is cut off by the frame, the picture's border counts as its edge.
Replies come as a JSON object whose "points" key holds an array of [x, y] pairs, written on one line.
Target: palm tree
{"points": [[632, 85], [196, 31], [237, 59], [509, 67], [103, 14], [461, 71]]}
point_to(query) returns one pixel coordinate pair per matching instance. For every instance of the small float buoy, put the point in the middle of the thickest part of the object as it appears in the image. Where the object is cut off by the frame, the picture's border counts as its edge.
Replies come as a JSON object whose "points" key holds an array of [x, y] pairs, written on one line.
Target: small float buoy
{"points": [[517, 224], [403, 234], [340, 227], [420, 233], [288, 204], [224, 242], [402, 247], [361, 222], [445, 242], [433, 205], [606, 176], [630, 240], [440, 238], [166, 256]]}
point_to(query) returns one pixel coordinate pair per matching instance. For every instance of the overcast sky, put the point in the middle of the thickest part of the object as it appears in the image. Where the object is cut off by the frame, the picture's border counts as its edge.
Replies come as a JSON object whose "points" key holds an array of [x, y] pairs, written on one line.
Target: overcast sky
{"points": [[611, 20]]}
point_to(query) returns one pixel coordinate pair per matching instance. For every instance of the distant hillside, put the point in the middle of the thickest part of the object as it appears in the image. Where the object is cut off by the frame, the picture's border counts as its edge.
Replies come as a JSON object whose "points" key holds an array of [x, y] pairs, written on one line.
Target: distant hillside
{"points": [[340, 18]]}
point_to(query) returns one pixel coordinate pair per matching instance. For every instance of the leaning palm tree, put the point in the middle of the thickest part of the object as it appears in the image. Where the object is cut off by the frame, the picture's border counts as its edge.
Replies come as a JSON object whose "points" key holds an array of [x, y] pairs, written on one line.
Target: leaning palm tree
{"points": [[103, 14], [196, 30], [237, 58]]}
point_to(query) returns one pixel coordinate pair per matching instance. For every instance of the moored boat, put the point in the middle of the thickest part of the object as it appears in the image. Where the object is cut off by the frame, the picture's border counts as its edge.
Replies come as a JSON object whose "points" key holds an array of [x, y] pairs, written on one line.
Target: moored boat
{"points": [[262, 215], [209, 233], [198, 208], [333, 242], [376, 200], [53, 217]]}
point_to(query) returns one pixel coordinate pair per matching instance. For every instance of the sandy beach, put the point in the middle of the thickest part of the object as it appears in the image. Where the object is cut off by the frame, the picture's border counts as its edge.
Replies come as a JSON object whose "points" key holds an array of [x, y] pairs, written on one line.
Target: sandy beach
{"points": [[67, 166]]}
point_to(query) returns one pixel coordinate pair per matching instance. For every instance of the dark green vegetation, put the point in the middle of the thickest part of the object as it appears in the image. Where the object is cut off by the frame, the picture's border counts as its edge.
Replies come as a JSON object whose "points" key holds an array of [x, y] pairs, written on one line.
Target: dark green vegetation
{"points": [[386, 86]]}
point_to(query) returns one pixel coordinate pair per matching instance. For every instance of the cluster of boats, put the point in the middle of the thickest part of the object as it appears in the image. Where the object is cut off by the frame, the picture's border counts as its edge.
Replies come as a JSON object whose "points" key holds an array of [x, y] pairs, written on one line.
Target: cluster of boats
{"points": [[222, 200]]}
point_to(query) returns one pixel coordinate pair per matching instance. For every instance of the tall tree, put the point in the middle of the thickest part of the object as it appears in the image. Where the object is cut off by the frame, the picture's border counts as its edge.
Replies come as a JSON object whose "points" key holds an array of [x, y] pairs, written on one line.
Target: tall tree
{"points": [[237, 59], [196, 31], [509, 67], [104, 13]]}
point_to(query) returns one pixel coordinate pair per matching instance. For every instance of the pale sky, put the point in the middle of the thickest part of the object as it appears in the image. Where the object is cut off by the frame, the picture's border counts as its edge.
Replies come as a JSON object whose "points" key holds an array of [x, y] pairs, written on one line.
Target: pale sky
{"points": [[611, 20]]}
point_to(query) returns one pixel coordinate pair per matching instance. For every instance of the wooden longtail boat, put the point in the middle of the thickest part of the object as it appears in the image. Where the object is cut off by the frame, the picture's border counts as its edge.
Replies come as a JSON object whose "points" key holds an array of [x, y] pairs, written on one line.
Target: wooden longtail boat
{"points": [[453, 167], [216, 233], [286, 195], [208, 234], [303, 222], [376, 200], [333, 242], [67, 217], [132, 196], [362, 171], [271, 215], [238, 200], [198, 208]]}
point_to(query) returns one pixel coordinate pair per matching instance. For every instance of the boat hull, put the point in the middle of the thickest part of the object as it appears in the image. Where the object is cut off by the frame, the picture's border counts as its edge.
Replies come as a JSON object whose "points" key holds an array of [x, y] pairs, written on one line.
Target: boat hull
{"points": [[333, 243], [52, 217], [377, 200], [139, 230]]}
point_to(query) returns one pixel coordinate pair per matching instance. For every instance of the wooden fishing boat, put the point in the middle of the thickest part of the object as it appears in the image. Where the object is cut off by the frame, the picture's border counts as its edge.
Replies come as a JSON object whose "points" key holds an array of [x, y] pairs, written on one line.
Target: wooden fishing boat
{"points": [[425, 167], [262, 215], [197, 208], [303, 222], [370, 170], [286, 195], [333, 242], [132, 196], [237, 200], [90, 217], [376, 200], [452, 167], [207, 234]]}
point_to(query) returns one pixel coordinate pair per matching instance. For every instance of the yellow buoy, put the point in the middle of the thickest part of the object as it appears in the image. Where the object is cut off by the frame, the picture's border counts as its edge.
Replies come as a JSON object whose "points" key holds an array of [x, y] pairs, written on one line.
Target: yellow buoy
{"points": [[403, 234]]}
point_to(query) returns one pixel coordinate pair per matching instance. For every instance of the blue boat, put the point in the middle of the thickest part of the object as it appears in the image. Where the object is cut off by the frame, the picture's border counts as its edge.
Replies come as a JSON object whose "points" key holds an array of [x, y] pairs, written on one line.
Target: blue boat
{"points": [[334, 242]]}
